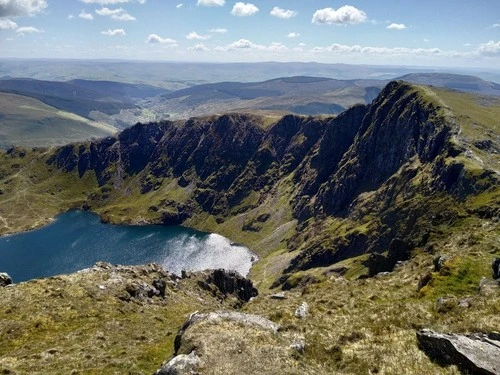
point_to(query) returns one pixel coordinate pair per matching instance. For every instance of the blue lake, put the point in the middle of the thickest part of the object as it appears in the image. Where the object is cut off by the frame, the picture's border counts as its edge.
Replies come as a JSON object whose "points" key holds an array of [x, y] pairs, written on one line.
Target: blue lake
{"points": [[77, 239]]}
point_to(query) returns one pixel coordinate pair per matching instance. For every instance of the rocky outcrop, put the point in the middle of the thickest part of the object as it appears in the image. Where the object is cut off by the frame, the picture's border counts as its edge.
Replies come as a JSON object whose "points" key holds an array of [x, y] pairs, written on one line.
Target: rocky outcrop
{"points": [[473, 354], [224, 283], [243, 319], [5, 279], [229, 342]]}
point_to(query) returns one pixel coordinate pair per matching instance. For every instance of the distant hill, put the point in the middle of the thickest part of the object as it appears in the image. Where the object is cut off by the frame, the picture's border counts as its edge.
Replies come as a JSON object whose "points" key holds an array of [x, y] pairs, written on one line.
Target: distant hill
{"points": [[299, 94], [29, 122], [82, 96], [458, 82]]}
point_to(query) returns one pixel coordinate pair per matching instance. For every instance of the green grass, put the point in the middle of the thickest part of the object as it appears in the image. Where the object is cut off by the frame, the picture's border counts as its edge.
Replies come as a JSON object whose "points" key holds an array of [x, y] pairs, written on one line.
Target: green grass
{"points": [[29, 122]]}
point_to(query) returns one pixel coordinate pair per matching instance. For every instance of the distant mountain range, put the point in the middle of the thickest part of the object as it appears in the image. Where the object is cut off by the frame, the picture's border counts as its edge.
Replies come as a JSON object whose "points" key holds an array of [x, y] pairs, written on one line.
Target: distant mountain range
{"points": [[117, 105], [458, 82], [82, 96]]}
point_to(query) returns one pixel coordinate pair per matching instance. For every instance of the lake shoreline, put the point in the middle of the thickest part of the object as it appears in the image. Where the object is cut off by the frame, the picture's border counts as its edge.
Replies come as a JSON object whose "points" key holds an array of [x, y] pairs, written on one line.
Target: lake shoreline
{"points": [[196, 250]]}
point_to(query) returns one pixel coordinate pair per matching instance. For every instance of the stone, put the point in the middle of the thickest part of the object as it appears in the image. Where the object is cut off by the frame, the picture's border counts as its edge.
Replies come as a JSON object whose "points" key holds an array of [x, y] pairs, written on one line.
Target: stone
{"points": [[439, 262], [465, 303], [424, 280], [473, 354], [5, 279], [495, 265], [298, 344], [250, 320], [445, 304], [488, 287], [183, 364], [280, 295], [161, 286], [302, 311]]}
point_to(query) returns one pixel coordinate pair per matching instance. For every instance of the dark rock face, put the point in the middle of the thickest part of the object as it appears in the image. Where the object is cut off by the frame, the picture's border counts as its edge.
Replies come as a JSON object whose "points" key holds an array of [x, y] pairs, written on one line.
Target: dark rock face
{"points": [[331, 164], [229, 283], [495, 265], [399, 250], [5, 279], [474, 354]]}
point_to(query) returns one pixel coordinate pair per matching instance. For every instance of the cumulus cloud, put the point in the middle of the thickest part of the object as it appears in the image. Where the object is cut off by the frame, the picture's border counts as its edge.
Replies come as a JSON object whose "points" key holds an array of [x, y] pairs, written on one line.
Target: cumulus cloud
{"points": [[489, 49], [104, 2], [211, 3], [496, 25], [293, 35], [28, 30], [200, 47], [344, 15], [396, 26], [70, 16], [340, 49], [6, 24], [156, 39], [85, 15], [219, 30], [244, 9], [118, 14], [245, 44], [178, 6], [115, 32], [19, 8], [193, 35], [283, 13]]}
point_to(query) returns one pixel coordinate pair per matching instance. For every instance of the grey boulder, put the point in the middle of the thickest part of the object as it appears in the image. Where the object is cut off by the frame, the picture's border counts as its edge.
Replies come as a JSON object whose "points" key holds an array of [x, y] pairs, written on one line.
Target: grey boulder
{"points": [[473, 354]]}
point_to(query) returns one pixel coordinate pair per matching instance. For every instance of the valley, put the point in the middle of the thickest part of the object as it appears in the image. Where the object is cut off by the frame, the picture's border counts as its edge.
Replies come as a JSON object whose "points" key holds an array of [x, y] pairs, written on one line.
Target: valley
{"points": [[347, 213]]}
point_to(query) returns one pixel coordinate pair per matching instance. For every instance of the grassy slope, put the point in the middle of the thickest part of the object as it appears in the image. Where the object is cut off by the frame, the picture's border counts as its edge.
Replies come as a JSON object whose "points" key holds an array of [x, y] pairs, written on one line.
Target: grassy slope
{"points": [[29, 122], [355, 326]]}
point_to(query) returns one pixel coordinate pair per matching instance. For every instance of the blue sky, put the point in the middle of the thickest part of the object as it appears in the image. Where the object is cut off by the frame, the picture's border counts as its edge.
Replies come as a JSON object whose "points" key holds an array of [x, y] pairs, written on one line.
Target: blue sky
{"points": [[458, 33]]}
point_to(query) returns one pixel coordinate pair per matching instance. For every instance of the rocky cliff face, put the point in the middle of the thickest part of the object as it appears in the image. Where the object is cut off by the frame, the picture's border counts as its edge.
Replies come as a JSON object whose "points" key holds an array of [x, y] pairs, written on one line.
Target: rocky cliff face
{"points": [[390, 170]]}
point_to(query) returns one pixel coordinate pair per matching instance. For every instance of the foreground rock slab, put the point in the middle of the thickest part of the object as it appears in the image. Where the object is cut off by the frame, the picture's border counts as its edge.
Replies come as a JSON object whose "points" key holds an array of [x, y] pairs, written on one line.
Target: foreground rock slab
{"points": [[230, 342], [474, 354]]}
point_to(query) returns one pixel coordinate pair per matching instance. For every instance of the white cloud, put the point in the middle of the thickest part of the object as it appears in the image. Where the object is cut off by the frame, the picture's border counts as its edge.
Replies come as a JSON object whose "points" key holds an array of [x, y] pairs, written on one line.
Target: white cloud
{"points": [[244, 9], [496, 25], [245, 44], [178, 6], [211, 3], [293, 35], [6, 24], [19, 8], [118, 14], [104, 2], [396, 26], [340, 49], [28, 30], [426, 40], [489, 49], [283, 13], [200, 47], [115, 32], [344, 15], [193, 35], [85, 15], [218, 30], [156, 39], [70, 16], [467, 45]]}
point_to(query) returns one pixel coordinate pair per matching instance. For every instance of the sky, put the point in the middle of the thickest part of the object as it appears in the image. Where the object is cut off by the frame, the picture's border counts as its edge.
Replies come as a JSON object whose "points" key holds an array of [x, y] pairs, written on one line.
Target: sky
{"points": [[452, 33]]}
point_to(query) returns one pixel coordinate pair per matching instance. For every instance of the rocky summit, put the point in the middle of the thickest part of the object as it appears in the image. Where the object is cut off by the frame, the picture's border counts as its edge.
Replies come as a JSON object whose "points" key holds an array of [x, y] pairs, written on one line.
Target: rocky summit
{"points": [[369, 227]]}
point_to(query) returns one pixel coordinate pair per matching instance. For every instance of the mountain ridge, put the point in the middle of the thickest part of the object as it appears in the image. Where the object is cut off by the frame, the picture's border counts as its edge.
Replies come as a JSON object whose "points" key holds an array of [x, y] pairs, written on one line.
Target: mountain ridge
{"points": [[347, 214]]}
